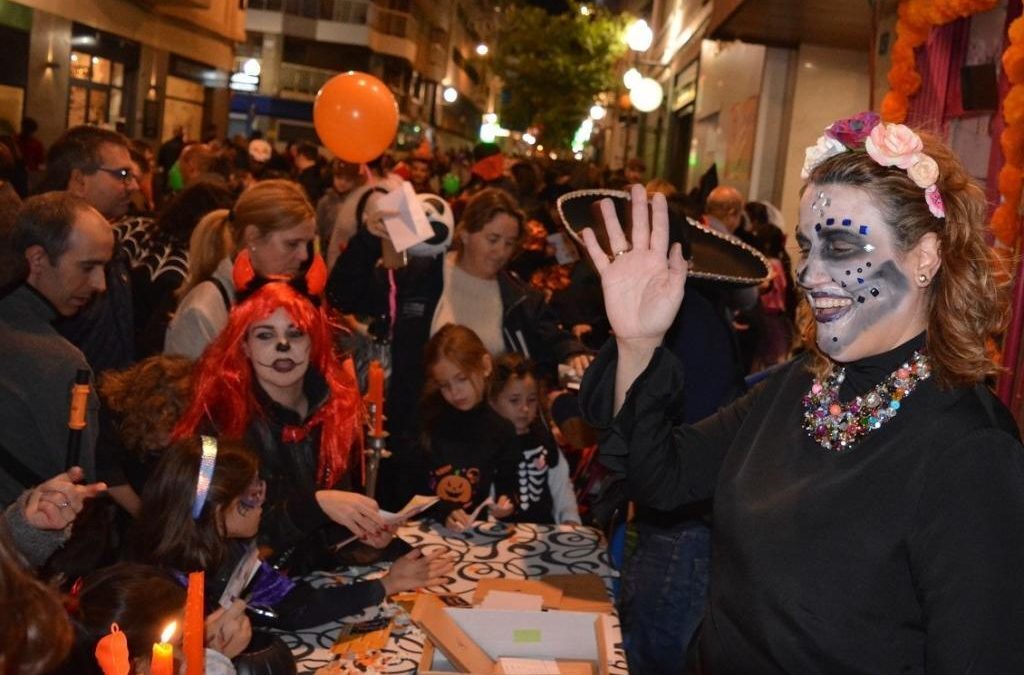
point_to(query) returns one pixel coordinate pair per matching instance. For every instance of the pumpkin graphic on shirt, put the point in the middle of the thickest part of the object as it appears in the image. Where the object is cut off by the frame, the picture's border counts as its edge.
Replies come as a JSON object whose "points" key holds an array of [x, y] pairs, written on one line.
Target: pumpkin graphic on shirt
{"points": [[456, 485]]}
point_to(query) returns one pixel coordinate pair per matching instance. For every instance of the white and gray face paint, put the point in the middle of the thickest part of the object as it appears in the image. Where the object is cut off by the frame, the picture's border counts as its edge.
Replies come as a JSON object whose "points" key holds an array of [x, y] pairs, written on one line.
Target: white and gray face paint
{"points": [[854, 275]]}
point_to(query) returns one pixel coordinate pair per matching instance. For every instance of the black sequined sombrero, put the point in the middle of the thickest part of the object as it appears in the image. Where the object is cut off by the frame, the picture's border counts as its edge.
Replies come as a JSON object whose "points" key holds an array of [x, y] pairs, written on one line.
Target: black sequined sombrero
{"points": [[711, 255]]}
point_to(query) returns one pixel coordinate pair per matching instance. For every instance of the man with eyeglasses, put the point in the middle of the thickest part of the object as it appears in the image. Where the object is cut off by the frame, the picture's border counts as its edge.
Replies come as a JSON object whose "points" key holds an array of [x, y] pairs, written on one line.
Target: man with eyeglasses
{"points": [[95, 164]]}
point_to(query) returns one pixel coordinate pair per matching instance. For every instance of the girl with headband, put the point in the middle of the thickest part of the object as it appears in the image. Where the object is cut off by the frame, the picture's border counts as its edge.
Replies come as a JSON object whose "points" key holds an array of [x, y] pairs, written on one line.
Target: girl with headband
{"points": [[868, 497], [201, 510]]}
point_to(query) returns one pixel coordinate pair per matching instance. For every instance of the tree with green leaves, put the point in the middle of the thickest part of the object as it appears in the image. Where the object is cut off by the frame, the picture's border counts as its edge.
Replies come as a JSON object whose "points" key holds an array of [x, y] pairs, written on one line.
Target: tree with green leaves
{"points": [[552, 66]]}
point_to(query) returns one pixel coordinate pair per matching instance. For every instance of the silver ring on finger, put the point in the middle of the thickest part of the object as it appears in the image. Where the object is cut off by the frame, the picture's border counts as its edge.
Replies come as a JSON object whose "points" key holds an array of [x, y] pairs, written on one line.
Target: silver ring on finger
{"points": [[619, 254]]}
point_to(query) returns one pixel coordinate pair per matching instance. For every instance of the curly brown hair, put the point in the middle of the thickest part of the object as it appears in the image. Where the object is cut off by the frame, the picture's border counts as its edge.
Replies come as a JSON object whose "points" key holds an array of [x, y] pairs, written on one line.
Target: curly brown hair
{"points": [[967, 305], [148, 399]]}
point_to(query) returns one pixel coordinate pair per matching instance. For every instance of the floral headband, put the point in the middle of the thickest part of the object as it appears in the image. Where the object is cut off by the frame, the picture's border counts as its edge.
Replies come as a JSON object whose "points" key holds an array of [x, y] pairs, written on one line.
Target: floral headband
{"points": [[888, 144]]}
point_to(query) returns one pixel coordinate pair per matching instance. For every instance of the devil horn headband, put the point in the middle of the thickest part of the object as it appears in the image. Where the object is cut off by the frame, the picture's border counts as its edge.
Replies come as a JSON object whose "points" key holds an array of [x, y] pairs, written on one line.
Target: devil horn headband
{"points": [[247, 281]]}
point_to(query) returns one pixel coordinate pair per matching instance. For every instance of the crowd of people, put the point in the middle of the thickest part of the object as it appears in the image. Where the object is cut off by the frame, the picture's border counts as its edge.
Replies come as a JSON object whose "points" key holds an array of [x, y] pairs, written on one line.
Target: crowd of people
{"points": [[833, 491]]}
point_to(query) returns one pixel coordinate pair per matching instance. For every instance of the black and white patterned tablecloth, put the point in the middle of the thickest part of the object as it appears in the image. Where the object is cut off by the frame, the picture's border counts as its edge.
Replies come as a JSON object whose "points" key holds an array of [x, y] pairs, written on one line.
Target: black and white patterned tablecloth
{"points": [[488, 551]]}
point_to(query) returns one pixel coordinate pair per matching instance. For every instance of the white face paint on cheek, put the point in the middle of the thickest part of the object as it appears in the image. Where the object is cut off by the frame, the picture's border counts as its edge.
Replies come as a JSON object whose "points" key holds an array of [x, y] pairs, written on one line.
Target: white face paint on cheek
{"points": [[850, 273], [278, 350]]}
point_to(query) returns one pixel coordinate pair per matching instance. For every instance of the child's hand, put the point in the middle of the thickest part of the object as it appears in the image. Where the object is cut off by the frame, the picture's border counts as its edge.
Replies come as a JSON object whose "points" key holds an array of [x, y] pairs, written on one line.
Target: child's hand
{"points": [[415, 570], [457, 520], [503, 508], [228, 630]]}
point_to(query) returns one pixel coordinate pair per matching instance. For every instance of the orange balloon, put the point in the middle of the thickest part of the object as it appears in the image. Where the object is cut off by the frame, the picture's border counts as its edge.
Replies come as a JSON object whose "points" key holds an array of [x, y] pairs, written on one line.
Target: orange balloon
{"points": [[356, 116]]}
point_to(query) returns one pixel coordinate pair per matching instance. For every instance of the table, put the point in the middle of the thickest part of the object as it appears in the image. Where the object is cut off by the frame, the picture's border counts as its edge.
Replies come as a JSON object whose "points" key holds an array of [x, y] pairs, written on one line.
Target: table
{"points": [[489, 550]]}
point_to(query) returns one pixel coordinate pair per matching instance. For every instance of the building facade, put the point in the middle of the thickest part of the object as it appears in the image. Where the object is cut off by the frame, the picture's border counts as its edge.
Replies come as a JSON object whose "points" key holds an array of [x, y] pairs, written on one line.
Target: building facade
{"points": [[141, 67], [418, 48]]}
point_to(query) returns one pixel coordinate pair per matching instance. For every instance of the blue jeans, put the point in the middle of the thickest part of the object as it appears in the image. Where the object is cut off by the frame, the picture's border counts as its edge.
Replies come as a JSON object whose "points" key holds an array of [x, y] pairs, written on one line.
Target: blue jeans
{"points": [[664, 585]]}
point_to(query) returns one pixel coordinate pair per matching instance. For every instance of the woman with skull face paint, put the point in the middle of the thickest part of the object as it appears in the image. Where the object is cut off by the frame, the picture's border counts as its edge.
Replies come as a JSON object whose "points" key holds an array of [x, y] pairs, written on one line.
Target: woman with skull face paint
{"points": [[868, 498], [273, 377]]}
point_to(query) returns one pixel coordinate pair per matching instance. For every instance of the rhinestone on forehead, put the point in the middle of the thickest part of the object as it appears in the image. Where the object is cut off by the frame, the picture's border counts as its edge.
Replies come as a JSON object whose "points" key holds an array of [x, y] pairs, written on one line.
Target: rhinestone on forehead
{"points": [[820, 203]]}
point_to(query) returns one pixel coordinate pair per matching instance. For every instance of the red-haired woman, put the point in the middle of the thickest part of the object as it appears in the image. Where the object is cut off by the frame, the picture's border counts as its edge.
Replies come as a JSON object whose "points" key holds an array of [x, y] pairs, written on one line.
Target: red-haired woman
{"points": [[273, 378]]}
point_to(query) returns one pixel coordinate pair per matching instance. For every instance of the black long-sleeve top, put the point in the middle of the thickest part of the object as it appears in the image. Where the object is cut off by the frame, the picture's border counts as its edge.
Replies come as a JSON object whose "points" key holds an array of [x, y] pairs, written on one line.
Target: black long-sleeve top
{"points": [[902, 554], [469, 452], [291, 512]]}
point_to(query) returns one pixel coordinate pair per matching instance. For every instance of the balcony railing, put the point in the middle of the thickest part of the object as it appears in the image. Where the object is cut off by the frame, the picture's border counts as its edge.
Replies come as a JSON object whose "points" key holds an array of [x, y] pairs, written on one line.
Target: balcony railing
{"points": [[303, 79], [342, 11]]}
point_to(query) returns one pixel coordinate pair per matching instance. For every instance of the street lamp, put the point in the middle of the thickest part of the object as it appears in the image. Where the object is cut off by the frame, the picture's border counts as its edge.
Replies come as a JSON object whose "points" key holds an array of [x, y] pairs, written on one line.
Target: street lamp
{"points": [[482, 49], [252, 68], [631, 78], [450, 94], [639, 36], [646, 95], [597, 112]]}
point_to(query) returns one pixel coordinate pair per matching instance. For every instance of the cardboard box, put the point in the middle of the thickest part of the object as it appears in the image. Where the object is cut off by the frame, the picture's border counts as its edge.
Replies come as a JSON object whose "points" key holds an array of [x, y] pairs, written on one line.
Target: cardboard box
{"points": [[474, 640], [573, 592]]}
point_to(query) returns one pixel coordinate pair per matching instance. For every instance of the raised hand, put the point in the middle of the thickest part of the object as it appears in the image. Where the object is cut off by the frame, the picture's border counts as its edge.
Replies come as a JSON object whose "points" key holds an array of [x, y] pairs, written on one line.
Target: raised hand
{"points": [[357, 512], [642, 282], [54, 504]]}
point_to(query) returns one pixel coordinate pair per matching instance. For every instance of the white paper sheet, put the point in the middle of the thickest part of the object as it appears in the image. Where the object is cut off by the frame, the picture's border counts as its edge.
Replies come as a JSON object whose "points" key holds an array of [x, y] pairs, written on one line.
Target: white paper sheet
{"points": [[243, 572], [410, 226], [530, 635], [511, 666]]}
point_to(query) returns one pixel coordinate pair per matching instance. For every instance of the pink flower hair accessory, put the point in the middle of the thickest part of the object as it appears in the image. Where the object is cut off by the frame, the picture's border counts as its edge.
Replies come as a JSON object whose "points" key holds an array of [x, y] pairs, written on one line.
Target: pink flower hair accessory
{"points": [[897, 145], [888, 144]]}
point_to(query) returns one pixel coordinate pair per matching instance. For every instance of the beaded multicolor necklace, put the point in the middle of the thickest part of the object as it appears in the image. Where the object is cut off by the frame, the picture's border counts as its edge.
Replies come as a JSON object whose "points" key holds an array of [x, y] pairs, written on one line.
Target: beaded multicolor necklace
{"points": [[837, 426]]}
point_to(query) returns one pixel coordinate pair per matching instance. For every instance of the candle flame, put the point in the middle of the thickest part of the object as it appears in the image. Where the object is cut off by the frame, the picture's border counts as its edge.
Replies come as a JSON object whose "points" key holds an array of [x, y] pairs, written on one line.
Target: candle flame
{"points": [[168, 631]]}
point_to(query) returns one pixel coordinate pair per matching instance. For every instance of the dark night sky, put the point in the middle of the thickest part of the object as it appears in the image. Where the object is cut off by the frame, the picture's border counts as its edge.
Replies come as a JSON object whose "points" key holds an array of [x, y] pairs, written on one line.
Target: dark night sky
{"points": [[552, 6], [558, 6]]}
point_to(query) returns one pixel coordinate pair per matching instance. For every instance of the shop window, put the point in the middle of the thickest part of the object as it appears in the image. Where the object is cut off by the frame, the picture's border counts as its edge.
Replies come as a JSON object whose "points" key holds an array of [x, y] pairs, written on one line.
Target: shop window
{"points": [[100, 70], [95, 93], [77, 99], [79, 66]]}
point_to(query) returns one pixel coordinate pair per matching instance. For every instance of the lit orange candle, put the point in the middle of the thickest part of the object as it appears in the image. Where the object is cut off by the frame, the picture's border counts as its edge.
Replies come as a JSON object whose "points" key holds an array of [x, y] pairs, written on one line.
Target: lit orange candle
{"points": [[163, 652], [375, 396], [195, 626]]}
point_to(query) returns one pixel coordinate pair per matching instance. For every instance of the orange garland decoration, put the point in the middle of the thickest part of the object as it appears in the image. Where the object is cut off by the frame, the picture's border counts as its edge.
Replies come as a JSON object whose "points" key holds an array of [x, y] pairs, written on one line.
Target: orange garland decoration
{"points": [[1006, 219], [915, 21]]}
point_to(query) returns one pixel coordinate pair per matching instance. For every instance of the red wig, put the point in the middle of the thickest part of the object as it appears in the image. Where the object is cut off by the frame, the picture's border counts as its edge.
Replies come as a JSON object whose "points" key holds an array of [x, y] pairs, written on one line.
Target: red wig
{"points": [[224, 391]]}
